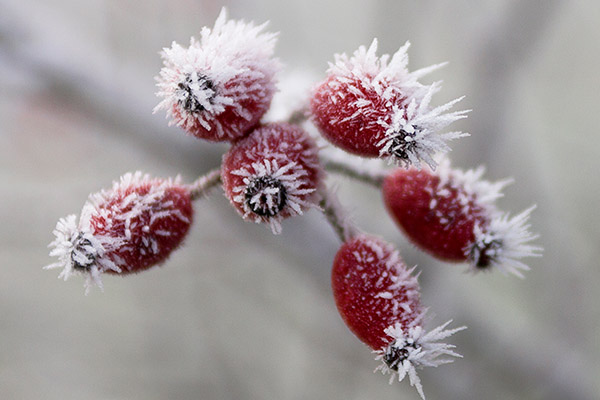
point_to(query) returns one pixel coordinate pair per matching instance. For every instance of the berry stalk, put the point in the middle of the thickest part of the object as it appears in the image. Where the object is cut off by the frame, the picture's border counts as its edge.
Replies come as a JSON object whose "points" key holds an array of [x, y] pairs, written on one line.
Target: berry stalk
{"points": [[204, 184], [351, 170], [337, 216]]}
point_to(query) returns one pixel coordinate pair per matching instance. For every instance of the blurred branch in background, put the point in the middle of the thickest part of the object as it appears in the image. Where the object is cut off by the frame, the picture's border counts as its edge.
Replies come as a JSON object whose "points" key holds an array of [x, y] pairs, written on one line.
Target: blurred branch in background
{"points": [[74, 73], [500, 53]]}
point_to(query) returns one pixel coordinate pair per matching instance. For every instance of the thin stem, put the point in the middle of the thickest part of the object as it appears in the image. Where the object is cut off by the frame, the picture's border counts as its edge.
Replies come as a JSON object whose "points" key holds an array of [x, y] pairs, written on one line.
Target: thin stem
{"points": [[371, 177], [337, 216], [205, 183]]}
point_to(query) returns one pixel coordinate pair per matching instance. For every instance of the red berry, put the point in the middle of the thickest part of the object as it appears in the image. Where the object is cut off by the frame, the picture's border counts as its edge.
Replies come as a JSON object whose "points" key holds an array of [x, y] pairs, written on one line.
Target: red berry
{"points": [[373, 290], [219, 88], [378, 298], [373, 108], [358, 94], [127, 229], [272, 174], [348, 114], [451, 214]]}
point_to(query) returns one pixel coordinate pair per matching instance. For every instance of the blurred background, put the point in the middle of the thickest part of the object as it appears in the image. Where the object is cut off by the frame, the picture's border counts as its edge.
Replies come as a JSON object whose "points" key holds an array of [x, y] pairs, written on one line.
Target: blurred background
{"points": [[238, 313]]}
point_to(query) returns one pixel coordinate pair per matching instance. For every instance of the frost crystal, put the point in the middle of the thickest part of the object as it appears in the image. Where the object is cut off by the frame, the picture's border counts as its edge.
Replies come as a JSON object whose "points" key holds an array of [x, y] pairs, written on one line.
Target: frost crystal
{"points": [[376, 73], [502, 243], [412, 135], [272, 190], [412, 349], [80, 252], [470, 187], [219, 87]]}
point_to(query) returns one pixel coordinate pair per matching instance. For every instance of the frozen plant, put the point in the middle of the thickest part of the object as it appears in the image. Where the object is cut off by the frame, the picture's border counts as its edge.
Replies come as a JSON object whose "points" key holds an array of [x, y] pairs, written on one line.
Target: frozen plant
{"points": [[219, 89]]}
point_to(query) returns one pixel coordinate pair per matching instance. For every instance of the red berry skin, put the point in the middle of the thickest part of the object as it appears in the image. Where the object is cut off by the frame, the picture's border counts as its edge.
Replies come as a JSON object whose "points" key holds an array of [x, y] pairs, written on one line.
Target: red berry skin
{"points": [[279, 160], [350, 115], [253, 96], [437, 216], [150, 217], [373, 290]]}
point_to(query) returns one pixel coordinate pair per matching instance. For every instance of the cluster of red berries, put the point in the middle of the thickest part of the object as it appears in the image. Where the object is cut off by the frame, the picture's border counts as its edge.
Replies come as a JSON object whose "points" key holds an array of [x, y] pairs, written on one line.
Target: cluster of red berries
{"points": [[218, 89]]}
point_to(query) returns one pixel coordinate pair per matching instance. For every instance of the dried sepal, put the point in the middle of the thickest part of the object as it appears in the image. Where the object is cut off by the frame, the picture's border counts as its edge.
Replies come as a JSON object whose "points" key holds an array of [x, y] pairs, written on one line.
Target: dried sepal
{"points": [[272, 174], [413, 348], [413, 134]]}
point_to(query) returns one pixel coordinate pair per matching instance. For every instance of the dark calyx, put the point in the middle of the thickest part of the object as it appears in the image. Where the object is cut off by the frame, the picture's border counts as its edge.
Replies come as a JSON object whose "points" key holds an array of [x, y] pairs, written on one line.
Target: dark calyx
{"points": [[394, 355], [400, 147], [190, 102], [486, 253], [82, 246], [272, 196]]}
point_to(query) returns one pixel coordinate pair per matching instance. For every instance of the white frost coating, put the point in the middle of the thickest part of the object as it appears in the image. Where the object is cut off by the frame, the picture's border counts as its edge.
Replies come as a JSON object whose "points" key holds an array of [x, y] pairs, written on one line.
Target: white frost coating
{"points": [[413, 135], [414, 349], [82, 250], [231, 63], [337, 215], [402, 278], [470, 186], [364, 73], [290, 174], [377, 73], [512, 237]]}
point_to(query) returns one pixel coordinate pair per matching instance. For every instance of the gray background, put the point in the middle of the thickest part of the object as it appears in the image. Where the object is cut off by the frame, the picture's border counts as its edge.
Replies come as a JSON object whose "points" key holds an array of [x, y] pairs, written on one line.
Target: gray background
{"points": [[238, 313]]}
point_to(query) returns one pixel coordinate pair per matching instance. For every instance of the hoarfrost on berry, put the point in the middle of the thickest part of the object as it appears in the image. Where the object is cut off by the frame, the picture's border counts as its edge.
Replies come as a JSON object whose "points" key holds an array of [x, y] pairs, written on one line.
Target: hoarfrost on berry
{"points": [[129, 228], [385, 77], [220, 87], [374, 107], [452, 214]]}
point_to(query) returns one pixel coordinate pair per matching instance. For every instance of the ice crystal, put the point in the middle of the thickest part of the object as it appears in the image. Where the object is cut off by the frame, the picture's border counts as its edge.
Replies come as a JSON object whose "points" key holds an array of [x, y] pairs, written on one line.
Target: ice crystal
{"points": [[221, 85], [273, 188], [502, 243], [385, 77], [413, 134], [470, 187], [362, 89], [414, 348], [80, 252]]}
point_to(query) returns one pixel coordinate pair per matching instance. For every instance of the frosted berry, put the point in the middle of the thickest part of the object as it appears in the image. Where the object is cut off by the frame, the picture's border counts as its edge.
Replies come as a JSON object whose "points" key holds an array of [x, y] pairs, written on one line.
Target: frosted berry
{"points": [[373, 108], [378, 298], [373, 289], [127, 229], [219, 88], [452, 215], [272, 174]]}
